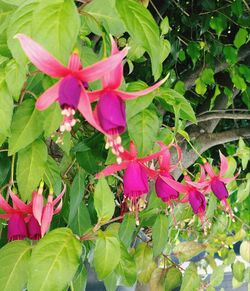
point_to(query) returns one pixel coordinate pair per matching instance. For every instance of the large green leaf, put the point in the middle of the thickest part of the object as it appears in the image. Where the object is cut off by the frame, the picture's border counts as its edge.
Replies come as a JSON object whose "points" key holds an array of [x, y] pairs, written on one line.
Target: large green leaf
{"points": [[127, 229], [106, 254], [160, 234], [54, 261], [54, 24], [143, 129], [238, 269], [104, 201], [30, 168], [6, 108], [76, 194], [52, 174], [191, 279], [14, 260], [145, 264], [104, 14], [52, 119], [173, 279], [26, 126], [143, 29], [126, 268]]}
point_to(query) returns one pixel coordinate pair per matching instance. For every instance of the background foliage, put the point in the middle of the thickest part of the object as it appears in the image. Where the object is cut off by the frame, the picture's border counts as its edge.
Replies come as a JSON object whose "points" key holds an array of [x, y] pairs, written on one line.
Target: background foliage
{"points": [[205, 104]]}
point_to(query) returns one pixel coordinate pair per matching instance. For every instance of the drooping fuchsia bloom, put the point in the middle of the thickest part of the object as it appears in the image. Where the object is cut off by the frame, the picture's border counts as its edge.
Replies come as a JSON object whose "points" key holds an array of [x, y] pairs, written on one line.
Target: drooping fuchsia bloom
{"points": [[135, 179], [110, 112], [195, 198], [69, 91], [16, 219], [216, 182], [43, 214]]}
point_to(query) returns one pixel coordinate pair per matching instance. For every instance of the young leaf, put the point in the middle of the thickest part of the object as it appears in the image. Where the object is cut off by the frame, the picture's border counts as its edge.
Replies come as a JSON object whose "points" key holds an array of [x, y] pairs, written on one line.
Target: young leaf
{"points": [[26, 126], [106, 254], [160, 234], [104, 201], [14, 262], [143, 129], [54, 261], [143, 29], [30, 168]]}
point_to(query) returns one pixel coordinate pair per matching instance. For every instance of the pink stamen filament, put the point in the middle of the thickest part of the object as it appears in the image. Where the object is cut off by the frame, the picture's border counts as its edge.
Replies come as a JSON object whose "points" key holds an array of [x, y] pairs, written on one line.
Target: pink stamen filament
{"points": [[114, 142], [228, 209]]}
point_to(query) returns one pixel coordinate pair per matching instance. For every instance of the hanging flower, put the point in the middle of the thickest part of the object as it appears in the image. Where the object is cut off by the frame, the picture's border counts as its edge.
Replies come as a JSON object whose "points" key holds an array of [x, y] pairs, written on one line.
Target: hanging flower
{"points": [[216, 182], [135, 179], [110, 109], [69, 91]]}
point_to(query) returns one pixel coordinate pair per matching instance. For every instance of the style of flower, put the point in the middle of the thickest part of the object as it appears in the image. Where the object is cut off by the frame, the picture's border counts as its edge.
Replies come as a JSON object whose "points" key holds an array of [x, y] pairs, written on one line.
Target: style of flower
{"points": [[195, 198], [135, 179], [216, 182], [110, 112], [69, 91]]}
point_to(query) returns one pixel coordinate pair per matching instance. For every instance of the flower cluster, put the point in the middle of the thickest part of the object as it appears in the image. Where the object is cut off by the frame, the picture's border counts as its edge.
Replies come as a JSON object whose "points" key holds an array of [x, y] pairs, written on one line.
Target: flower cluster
{"points": [[138, 172], [30, 220]]}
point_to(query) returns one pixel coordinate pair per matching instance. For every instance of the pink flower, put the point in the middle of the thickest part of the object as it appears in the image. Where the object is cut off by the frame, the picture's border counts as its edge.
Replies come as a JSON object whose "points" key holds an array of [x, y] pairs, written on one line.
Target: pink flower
{"points": [[110, 109], [16, 218], [217, 182], [135, 178], [34, 229], [69, 91]]}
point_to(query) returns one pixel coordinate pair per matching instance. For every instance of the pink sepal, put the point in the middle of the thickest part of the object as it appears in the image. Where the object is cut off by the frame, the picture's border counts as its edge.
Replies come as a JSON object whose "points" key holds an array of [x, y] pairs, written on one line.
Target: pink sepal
{"points": [[151, 157], [209, 170], [5, 206], [99, 69], [151, 173], [112, 169], [113, 79], [174, 184], [133, 95], [223, 164], [41, 58], [6, 216], [74, 62], [37, 206], [46, 218], [48, 97], [59, 197], [179, 155], [58, 208], [94, 95], [18, 203]]}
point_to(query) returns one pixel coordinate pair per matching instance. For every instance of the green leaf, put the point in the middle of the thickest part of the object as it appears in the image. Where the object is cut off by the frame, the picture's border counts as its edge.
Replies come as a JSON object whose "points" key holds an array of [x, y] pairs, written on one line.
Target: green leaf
{"points": [[173, 98], [173, 279], [207, 76], [26, 126], [218, 24], [245, 250], [110, 282], [240, 37], [143, 129], [30, 168], [54, 261], [105, 14], [164, 26], [52, 119], [6, 109], [145, 264], [160, 234], [137, 105], [180, 87], [243, 191], [52, 174], [126, 268], [239, 82], [76, 194], [186, 250], [143, 29], [103, 201], [243, 152], [193, 50], [217, 276], [191, 279], [127, 229], [200, 87], [14, 261], [237, 7], [15, 78], [81, 223], [157, 279], [238, 270], [230, 54], [80, 281], [106, 247]]}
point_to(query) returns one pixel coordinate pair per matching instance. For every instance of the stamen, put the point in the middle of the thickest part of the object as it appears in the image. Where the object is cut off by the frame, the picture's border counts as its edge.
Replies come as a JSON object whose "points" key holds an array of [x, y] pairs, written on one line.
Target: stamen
{"points": [[228, 209]]}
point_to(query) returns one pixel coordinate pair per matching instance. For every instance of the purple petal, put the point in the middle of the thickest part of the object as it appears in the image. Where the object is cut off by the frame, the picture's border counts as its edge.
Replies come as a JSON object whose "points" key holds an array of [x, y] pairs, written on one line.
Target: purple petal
{"points": [[69, 92], [163, 190], [197, 201], [16, 227], [34, 229], [219, 189], [111, 113]]}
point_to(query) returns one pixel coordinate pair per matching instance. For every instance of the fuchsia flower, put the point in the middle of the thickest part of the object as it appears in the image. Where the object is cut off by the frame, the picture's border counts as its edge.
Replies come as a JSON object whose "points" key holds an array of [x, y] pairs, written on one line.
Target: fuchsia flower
{"points": [[110, 109], [195, 198], [216, 182], [16, 219], [69, 91], [135, 178]]}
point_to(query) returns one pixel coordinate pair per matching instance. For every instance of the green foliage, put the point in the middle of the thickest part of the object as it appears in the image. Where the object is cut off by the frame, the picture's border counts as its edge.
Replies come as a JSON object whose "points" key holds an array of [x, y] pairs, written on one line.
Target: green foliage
{"points": [[160, 234]]}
